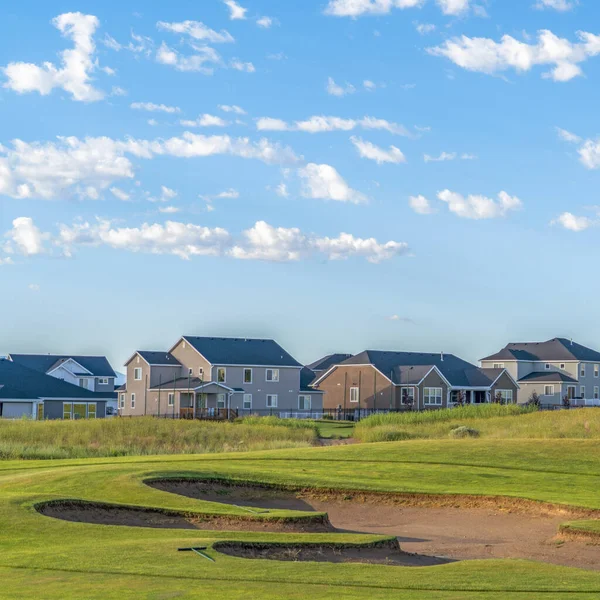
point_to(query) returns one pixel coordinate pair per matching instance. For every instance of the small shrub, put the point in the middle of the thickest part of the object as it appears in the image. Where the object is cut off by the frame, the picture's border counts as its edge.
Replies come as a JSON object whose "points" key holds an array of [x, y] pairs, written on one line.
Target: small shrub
{"points": [[464, 432]]}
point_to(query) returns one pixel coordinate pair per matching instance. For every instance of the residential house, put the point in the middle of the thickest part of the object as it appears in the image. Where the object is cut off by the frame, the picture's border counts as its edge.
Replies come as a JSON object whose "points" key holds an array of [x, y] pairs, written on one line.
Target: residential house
{"points": [[554, 369], [30, 393], [324, 364], [382, 380], [210, 374]]}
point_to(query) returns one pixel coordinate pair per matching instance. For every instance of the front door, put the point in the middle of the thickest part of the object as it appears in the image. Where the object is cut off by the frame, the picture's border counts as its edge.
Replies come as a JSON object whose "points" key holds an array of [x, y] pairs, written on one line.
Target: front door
{"points": [[571, 392]]}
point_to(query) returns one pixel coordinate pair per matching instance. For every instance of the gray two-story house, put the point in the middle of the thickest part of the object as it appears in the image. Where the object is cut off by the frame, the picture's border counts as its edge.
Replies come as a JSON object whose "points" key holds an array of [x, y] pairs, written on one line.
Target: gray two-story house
{"points": [[554, 370], [203, 374]]}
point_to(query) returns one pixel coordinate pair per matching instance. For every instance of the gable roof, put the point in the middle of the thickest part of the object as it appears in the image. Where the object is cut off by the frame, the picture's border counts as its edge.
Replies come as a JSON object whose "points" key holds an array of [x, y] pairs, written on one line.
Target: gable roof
{"points": [[548, 376], [328, 361], [96, 365], [242, 351], [156, 358], [307, 377], [556, 349], [33, 385]]}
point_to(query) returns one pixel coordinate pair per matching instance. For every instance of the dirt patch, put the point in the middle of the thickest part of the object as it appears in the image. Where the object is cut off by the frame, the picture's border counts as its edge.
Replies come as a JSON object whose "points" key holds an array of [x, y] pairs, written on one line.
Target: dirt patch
{"points": [[457, 527], [381, 554], [109, 514]]}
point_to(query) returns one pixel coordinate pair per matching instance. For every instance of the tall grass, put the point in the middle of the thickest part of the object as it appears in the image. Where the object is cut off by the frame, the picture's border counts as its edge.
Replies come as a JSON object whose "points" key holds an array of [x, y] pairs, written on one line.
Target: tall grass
{"points": [[27, 439], [492, 421]]}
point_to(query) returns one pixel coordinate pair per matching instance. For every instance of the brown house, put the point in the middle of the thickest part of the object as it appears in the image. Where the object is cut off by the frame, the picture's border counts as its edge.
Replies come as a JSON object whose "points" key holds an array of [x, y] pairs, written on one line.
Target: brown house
{"points": [[375, 380]]}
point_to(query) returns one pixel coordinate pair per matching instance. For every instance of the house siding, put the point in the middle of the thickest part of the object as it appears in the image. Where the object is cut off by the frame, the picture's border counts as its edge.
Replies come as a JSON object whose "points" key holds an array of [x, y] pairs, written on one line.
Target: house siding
{"points": [[433, 380], [53, 409], [190, 358], [505, 383], [135, 387], [16, 410]]}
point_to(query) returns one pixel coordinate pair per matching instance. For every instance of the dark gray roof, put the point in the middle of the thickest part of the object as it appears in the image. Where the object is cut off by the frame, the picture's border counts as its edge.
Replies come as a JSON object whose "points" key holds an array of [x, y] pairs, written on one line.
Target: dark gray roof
{"points": [[554, 350], [549, 376], [328, 361], [33, 384], [96, 365], [307, 376], [121, 388], [158, 358], [191, 383], [240, 351]]}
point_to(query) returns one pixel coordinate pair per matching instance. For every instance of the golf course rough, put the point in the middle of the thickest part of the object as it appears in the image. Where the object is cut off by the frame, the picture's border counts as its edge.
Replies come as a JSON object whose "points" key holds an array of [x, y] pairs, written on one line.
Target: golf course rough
{"points": [[51, 558]]}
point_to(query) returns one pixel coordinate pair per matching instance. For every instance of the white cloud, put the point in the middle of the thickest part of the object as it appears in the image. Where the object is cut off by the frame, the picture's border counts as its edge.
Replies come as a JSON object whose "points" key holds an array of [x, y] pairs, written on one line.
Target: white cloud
{"points": [[357, 8], [78, 63], [186, 240], [25, 238], [265, 22], [87, 167], [231, 193], [166, 193], [197, 31], [559, 5], [282, 191], [567, 136], [6, 261], [454, 7], [421, 205], [111, 43], [232, 109], [484, 55], [320, 124], [446, 156], [206, 120], [203, 62], [369, 85], [120, 194], [334, 89], [245, 67], [480, 207], [399, 319], [324, 182], [235, 10], [573, 223], [34, 287], [118, 91], [151, 107], [425, 28], [169, 210], [152, 122], [379, 155]]}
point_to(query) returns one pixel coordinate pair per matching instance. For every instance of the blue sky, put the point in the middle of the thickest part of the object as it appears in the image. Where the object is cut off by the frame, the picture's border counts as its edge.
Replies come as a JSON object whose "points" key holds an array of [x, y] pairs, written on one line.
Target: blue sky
{"points": [[391, 174]]}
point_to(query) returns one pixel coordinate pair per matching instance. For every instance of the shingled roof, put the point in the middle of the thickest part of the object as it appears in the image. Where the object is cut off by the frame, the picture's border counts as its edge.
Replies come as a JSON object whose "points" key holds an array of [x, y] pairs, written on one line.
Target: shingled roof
{"points": [[158, 358], [556, 349], [328, 361], [96, 365], [242, 351], [29, 383]]}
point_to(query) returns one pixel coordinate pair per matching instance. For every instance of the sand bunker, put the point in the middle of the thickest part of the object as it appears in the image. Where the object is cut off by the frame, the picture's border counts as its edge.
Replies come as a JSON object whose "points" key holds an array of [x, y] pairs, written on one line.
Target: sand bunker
{"points": [[445, 526]]}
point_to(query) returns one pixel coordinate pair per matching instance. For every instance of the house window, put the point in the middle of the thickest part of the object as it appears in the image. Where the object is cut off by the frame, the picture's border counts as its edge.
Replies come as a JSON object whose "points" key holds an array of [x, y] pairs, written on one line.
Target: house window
{"points": [[40, 411], [562, 366], [549, 390], [247, 401], [271, 400], [596, 393], [122, 401], [582, 370], [407, 395], [191, 372], [91, 411], [304, 402], [221, 401], [506, 395], [132, 400], [137, 374], [432, 396], [354, 394], [582, 391], [221, 374], [171, 399], [83, 383], [103, 381], [596, 370], [498, 365], [247, 375], [272, 375], [547, 367], [67, 410], [201, 374]]}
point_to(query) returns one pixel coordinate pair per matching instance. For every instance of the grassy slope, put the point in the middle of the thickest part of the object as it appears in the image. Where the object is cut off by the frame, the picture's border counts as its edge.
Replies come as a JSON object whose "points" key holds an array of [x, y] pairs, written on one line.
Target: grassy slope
{"points": [[488, 421], [58, 557]]}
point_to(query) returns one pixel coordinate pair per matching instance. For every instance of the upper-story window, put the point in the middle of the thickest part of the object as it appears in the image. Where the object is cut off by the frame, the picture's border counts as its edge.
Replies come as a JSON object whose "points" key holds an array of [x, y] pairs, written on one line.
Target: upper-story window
{"points": [[596, 370], [548, 366], [498, 365], [137, 374], [272, 375], [247, 375], [562, 366], [582, 370], [103, 380], [201, 374], [190, 372], [354, 394], [221, 374], [122, 401], [83, 383]]}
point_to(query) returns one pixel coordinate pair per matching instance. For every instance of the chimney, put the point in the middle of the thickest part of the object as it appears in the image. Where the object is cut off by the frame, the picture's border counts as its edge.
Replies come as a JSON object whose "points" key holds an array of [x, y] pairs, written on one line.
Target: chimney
{"points": [[442, 356]]}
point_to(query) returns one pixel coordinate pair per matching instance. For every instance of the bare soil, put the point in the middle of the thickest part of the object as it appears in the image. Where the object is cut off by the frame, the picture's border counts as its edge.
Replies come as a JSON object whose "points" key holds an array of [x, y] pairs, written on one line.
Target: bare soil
{"points": [[106, 514], [452, 527]]}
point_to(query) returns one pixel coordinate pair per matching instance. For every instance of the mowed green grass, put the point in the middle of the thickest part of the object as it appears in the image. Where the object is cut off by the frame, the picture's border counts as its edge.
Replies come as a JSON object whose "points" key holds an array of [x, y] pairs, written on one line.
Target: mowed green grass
{"points": [[52, 559], [490, 421]]}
